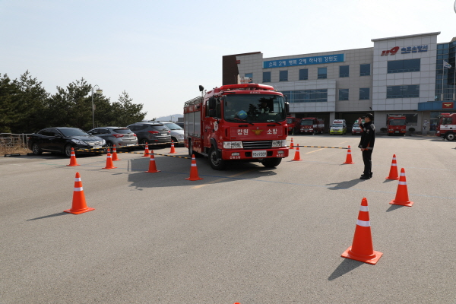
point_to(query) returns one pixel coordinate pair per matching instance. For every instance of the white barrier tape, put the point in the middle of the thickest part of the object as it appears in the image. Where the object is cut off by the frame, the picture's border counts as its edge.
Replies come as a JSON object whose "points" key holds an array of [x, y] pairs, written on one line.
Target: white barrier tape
{"points": [[364, 208], [78, 179], [403, 183], [363, 223], [78, 189]]}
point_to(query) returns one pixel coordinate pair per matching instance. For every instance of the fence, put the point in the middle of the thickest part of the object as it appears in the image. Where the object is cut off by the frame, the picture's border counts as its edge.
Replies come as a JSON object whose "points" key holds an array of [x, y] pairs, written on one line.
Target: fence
{"points": [[9, 140]]}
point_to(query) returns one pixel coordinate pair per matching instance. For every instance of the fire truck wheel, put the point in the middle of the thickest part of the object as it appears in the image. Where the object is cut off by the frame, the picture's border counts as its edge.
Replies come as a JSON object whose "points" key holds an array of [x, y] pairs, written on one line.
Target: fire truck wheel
{"points": [[271, 162], [450, 136], [216, 162]]}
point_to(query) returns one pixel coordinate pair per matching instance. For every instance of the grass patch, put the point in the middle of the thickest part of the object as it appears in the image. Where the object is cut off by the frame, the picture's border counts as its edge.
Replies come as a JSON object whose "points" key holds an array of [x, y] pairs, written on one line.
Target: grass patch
{"points": [[12, 145]]}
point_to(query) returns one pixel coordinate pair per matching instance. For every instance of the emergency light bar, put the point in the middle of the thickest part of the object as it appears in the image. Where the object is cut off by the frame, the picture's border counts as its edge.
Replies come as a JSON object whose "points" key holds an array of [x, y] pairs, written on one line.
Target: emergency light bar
{"points": [[246, 86]]}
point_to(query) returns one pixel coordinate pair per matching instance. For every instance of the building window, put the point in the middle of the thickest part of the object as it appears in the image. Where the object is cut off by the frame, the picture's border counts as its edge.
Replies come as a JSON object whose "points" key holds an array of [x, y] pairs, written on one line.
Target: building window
{"points": [[405, 91], [402, 66], [364, 93], [365, 69], [266, 76], [283, 76], [344, 71], [343, 94], [303, 74], [322, 73], [320, 95]]}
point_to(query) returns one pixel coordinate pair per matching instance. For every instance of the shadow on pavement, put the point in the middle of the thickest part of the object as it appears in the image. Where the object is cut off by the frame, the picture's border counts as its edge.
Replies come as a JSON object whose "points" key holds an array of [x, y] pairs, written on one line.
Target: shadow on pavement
{"points": [[344, 185], [394, 207], [174, 173], [48, 216], [346, 266], [390, 180]]}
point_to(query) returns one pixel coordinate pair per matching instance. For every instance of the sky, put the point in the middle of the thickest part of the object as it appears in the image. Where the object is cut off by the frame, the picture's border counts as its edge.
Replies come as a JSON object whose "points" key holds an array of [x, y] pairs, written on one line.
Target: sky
{"points": [[160, 51]]}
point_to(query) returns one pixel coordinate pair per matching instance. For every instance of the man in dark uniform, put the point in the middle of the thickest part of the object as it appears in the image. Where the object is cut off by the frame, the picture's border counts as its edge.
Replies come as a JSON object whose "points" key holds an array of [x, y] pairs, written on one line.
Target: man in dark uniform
{"points": [[367, 144]]}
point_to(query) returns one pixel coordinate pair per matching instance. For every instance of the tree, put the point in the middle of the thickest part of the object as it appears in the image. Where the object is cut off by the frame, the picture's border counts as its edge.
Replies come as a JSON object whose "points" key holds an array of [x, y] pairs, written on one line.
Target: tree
{"points": [[9, 93], [125, 112]]}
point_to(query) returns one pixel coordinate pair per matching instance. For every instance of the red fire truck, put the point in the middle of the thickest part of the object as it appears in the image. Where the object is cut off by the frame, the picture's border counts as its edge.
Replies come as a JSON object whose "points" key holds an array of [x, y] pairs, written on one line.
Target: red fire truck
{"points": [[446, 126], [237, 122], [312, 125], [396, 125], [293, 124]]}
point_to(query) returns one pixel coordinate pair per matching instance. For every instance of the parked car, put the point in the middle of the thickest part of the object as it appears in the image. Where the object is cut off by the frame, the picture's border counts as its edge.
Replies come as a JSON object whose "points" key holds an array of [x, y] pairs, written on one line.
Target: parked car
{"points": [[151, 132], [180, 124], [121, 137], [356, 129], [177, 133], [62, 139]]}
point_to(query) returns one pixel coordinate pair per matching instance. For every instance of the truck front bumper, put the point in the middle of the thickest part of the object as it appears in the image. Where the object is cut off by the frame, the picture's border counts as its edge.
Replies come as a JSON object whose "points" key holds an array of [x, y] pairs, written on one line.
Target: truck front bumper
{"points": [[254, 154]]}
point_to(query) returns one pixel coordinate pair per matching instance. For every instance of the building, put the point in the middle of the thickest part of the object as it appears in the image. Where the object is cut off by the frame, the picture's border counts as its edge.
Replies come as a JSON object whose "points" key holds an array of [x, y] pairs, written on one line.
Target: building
{"points": [[398, 75]]}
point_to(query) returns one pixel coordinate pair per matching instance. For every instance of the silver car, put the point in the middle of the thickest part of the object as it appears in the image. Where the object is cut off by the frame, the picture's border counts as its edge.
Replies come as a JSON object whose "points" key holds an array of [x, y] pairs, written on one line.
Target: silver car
{"points": [[177, 133], [119, 136], [151, 132]]}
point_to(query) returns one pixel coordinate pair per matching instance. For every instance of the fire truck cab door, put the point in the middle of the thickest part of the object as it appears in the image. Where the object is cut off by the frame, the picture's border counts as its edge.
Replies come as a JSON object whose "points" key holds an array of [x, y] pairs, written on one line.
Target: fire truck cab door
{"points": [[210, 125]]}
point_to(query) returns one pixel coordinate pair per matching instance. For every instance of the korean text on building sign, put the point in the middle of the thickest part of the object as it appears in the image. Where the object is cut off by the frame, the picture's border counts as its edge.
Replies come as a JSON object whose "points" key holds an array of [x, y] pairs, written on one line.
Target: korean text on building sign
{"points": [[303, 61]]}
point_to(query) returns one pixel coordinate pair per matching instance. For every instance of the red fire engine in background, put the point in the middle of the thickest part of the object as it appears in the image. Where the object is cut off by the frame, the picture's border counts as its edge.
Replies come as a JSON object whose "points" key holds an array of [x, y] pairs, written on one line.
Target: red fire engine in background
{"points": [[293, 124], [396, 125], [312, 125], [237, 122], [446, 126]]}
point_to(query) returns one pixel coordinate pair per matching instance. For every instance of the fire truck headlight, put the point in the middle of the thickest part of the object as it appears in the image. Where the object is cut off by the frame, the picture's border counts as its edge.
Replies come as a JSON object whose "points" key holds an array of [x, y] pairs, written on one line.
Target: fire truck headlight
{"points": [[232, 145], [279, 143]]}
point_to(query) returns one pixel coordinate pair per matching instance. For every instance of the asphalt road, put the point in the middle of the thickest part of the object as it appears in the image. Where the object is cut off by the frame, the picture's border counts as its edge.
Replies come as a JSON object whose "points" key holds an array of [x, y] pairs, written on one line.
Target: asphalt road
{"points": [[248, 234]]}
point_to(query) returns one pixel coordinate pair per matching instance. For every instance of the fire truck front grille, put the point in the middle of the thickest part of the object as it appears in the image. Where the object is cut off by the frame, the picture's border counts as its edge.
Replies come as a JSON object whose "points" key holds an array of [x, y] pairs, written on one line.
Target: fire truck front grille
{"points": [[265, 144]]}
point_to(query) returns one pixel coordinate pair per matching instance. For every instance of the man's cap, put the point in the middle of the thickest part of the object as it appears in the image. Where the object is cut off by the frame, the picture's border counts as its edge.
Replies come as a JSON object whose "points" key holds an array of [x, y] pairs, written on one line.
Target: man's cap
{"points": [[370, 115]]}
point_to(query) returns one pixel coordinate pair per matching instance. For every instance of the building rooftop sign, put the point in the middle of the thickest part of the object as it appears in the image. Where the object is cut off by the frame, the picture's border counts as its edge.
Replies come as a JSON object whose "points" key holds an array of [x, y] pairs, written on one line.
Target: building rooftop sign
{"points": [[303, 61]]}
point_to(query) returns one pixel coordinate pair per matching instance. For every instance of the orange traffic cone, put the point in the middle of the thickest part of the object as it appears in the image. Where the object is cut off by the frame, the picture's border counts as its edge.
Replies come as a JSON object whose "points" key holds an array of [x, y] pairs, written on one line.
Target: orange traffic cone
{"points": [[393, 170], [152, 166], [291, 144], [73, 162], [297, 156], [79, 202], [349, 159], [402, 197], [362, 248], [172, 151], [109, 164], [146, 151], [193, 170], [114, 154]]}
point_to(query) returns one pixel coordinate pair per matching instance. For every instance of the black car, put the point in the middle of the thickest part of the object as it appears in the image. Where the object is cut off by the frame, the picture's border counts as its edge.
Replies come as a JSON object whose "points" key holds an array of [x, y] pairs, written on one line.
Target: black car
{"points": [[61, 140]]}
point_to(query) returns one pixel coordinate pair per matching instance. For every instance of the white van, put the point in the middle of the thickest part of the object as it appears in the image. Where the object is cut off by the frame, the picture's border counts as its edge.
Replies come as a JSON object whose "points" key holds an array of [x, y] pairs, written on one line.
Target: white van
{"points": [[339, 126]]}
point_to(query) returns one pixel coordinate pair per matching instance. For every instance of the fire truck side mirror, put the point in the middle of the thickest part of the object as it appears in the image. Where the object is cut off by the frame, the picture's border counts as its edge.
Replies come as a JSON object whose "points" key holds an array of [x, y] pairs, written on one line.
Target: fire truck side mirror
{"points": [[287, 107], [212, 103], [201, 88]]}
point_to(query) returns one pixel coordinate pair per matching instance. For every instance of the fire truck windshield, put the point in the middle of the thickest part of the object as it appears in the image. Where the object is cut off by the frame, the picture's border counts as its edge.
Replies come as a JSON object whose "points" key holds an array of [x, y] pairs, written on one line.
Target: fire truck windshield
{"points": [[397, 122], [254, 108], [306, 122]]}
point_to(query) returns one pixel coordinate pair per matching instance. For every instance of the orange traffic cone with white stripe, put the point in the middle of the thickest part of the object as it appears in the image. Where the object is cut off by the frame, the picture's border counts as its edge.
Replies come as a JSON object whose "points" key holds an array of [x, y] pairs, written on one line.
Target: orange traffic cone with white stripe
{"points": [[172, 151], [291, 144], [402, 197], [393, 171], [114, 154], [73, 162], [79, 204], [109, 164], [152, 166], [297, 156], [362, 249], [146, 151], [193, 170], [349, 159]]}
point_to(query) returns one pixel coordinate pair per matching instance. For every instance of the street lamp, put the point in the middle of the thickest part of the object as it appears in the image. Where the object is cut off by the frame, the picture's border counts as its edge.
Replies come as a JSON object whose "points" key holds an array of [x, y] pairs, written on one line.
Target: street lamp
{"points": [[99, 92]]}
